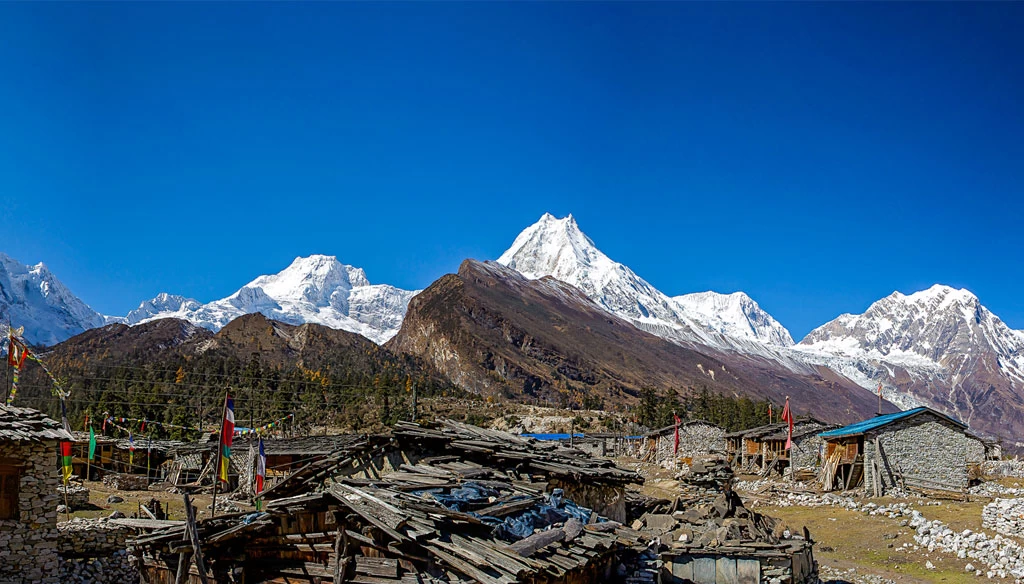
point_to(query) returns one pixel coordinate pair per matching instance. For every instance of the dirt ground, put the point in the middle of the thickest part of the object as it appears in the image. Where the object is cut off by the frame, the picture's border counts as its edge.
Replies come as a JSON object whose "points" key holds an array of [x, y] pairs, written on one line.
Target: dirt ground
{"points": [[173, 503]]}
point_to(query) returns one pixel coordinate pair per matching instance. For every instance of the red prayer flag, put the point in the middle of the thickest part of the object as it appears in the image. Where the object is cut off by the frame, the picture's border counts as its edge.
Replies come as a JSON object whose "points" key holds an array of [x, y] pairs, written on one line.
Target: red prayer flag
{"points": [[787, 416], [227, 432]]}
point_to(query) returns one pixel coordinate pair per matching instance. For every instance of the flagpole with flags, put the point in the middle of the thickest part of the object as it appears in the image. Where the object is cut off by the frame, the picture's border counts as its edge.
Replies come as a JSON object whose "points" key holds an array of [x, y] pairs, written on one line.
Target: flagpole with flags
{"points": [[787, 416], [261, 473], [227, 430], [879, 398], [92, 452]]}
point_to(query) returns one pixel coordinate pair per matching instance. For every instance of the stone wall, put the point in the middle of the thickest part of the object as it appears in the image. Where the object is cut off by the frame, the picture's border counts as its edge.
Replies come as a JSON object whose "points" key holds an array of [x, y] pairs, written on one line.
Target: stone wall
{"points": [[29, 544], [96, 551], [77, 496], [927, 450], [695, 440], [126, 482], [975, 450], [1003, 468], [804, 454], [1005, 516]]}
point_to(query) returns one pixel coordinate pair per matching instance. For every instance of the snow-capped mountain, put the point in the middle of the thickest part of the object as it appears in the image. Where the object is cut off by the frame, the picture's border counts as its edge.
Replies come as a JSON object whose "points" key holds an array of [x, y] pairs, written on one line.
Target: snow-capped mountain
{"points": [[735, 315], [939, 347], [32, 297], [557, 248], [315, 289]]}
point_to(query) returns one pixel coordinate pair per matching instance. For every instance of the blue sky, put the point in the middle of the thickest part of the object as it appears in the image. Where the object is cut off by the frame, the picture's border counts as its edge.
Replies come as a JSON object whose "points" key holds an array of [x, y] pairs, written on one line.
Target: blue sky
{"points": [[816, 156]]}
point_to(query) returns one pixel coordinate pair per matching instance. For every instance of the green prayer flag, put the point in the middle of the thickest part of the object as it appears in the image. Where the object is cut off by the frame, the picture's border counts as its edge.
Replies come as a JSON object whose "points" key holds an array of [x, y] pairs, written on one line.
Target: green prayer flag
{"points": [[92, 444]]}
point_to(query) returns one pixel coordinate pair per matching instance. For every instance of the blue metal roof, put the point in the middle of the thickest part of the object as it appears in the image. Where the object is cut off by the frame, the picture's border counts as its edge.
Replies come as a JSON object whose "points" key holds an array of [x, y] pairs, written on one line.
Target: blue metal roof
{"points": [[879, 421]]}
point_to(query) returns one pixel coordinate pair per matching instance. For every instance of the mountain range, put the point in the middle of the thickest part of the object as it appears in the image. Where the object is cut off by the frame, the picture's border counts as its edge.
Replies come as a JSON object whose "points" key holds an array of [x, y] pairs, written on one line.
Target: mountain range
{"points": [[939, 347]]}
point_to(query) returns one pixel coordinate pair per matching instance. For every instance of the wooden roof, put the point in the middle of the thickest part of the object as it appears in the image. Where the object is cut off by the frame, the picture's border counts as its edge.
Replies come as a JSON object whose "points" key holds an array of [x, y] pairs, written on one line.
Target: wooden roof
{"points": [[25, 424]]}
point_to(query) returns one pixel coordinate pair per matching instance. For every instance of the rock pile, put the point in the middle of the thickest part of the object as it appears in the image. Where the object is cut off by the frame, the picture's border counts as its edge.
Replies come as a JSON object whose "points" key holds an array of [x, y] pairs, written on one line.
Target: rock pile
{"points": [[706, 479], [126, 482], [1005, 516], [1003, 556], [77, 496], [990, 489]]}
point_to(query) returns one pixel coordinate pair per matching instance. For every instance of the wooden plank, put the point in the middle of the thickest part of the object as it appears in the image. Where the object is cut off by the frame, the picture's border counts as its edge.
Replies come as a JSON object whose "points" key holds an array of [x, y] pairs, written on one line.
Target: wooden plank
{"points": [[704, 570], [725, 571], [682, 568], [381, 567], [748, 571], [528, 546]]}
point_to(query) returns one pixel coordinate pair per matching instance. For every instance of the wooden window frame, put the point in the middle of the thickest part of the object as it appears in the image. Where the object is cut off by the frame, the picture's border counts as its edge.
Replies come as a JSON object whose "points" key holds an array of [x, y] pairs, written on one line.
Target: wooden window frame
{"points": [[10, 490]]}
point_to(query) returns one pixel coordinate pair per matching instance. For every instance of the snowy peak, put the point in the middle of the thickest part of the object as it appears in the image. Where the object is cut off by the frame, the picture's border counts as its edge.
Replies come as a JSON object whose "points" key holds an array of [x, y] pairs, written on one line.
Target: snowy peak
{"points": [[555, 247], [312, 279], [315, 289], [559, 249], [941, 327], [31, 296], [736, 315]]}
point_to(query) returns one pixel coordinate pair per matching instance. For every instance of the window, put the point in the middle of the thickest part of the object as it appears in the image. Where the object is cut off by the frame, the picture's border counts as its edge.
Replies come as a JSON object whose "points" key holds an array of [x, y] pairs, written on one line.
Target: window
{"points": [[10, 478]]}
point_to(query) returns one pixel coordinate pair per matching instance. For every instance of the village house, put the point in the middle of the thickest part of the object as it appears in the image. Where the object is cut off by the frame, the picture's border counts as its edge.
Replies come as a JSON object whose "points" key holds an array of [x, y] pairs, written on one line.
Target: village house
{"points": [[29, 478], [697, 438], [764, 447], [921, 449]]}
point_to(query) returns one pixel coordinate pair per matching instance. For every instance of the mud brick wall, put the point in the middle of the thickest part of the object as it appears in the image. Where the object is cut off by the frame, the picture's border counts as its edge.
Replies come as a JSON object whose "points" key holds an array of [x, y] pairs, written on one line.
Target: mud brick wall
{"points": [[29, 543]]}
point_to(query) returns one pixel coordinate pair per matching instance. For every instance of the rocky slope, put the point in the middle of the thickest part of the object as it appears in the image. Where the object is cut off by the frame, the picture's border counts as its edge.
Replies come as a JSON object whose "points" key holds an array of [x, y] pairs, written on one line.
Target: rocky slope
{"points": [[492, 330], [939, 347]]}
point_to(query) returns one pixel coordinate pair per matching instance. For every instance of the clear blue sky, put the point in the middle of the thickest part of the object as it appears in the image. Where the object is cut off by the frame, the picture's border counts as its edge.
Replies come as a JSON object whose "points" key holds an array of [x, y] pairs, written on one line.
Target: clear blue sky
{"points": [[816, 156]]}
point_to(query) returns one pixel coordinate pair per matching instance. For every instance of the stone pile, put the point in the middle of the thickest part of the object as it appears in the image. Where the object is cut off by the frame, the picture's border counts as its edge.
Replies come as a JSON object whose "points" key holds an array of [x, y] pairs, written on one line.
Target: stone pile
{"points": [[118, 568], [126, 482], [990, 489], [77, 496], [1004, 557], [706, 479], [1005, 516]]}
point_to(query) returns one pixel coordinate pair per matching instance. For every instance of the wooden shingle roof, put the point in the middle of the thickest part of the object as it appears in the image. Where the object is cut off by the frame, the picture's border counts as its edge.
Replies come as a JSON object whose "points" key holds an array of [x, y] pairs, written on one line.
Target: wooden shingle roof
{"points": [[24, 424]]}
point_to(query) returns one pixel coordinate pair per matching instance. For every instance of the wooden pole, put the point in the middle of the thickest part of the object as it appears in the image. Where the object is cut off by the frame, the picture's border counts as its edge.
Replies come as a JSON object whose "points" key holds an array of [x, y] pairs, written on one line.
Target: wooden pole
{"points": [[220, 453], [190, 528]]}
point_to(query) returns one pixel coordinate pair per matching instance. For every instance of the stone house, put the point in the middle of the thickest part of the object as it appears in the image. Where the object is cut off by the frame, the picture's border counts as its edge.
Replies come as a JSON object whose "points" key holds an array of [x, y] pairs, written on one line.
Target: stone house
{"points": [[920, 448], [29, 478], [807, 450], [766, 445], [697, 438]]}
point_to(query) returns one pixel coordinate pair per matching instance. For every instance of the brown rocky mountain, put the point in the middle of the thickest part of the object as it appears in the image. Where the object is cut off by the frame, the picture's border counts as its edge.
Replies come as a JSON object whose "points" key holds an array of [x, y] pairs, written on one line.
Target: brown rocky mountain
{"points": [[493, 331]]}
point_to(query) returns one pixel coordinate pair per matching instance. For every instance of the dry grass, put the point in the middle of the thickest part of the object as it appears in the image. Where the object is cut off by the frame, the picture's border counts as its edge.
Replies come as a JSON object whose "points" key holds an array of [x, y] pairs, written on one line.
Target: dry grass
{"points": [[850, 539]]}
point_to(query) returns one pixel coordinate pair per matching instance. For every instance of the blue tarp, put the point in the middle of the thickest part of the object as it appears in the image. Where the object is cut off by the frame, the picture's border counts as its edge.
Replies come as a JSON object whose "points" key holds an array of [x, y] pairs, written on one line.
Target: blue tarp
{"points": [[555, 509], [551, 436]]}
